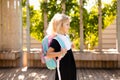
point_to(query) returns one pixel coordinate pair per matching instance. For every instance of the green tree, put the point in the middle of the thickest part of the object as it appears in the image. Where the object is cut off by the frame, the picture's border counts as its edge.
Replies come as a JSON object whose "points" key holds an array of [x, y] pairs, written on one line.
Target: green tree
{"points": [[36, 21], [90, 20], [36, 26], [91, 29]]}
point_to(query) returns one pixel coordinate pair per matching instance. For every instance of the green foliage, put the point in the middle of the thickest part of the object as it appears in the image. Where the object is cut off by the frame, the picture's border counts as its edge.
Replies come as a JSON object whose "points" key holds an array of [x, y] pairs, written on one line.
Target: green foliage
{"points": [[44, 6], [73, 10], [23, 3], [36, 22], [109, 13], [91, 41], [36, 26], [53, 8], [91, 29]]}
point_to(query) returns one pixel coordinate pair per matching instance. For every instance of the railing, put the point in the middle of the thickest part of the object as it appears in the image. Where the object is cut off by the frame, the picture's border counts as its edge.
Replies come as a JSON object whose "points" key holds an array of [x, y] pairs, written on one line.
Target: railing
{"points": [[9, 59], [83, 60]]}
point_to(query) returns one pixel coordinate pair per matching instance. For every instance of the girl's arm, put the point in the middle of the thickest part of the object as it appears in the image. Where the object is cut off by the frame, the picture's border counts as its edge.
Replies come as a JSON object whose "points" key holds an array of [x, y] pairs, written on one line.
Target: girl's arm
{"points": [[52, 54]]}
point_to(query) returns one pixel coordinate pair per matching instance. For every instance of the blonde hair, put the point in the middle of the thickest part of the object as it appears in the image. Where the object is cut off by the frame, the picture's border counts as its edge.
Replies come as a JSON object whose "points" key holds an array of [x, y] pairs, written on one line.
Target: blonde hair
{"points": [[56, 24]]}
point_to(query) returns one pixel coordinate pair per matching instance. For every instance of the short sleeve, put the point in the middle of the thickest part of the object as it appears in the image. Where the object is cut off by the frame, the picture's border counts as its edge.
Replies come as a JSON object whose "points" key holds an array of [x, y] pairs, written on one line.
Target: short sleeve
{"points": [[54, 44]]}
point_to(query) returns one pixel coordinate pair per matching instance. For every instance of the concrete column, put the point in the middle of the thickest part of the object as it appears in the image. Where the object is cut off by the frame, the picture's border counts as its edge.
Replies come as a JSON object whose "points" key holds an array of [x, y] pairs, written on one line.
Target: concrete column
{"points": [[99, 25], [118, 26], [63, 6], [0, 23], [4, 25], [10, 26], [28, 27], [19, 11], [45, 18], [81, 27]]}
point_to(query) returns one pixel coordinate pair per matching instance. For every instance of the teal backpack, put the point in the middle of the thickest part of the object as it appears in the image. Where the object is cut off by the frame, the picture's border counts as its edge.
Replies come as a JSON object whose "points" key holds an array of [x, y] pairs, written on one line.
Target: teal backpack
{"points": [[51, 63]]}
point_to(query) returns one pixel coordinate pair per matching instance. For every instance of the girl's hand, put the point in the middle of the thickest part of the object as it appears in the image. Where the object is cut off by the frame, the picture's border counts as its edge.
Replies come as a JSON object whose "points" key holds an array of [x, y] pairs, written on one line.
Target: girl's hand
{"points": [[73, 46], [63, 51]]}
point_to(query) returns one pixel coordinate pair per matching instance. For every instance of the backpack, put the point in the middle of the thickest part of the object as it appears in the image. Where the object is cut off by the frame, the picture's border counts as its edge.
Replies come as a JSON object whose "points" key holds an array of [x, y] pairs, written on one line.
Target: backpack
{"points": [[50, 62]]}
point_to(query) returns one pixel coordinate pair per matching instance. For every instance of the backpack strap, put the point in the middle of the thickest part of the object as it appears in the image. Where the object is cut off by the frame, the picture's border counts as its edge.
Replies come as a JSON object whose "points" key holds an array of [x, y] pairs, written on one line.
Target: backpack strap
{"points": [[62, 44], [60, 41], [45, 45]]}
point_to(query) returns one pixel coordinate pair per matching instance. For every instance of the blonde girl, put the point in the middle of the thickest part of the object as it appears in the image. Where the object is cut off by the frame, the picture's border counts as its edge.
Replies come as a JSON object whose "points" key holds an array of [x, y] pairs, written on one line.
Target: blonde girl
{"points": [[59, 26]]}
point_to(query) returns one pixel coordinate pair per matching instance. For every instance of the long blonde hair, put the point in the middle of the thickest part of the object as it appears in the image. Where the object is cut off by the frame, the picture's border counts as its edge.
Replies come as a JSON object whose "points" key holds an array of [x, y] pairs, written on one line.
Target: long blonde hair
{"points": [[56, 24]]}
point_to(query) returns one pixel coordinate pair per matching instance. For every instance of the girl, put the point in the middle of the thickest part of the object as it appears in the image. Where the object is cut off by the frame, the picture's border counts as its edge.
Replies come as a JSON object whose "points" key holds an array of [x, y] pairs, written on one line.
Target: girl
{"points": [[59, 26]]}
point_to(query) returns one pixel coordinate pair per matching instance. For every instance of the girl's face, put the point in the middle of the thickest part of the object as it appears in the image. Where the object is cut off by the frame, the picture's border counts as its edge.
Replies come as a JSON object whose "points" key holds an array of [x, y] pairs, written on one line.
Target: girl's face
{"points": [[66, 26]]}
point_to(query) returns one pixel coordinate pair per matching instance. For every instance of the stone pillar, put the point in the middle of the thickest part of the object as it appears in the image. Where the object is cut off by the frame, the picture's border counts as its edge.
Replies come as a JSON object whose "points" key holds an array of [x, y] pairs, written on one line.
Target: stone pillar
{"points": [[4, 26], [118, 26], [28, 27], [45, 17], [10, 25], [63, 6], [0, 23], [81, 27], [100, 25], [19, 8]]}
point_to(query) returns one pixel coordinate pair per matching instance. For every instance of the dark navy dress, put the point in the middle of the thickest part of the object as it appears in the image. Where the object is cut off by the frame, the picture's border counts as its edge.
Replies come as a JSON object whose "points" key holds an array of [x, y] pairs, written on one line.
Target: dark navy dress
{"points": [[67, 63]]}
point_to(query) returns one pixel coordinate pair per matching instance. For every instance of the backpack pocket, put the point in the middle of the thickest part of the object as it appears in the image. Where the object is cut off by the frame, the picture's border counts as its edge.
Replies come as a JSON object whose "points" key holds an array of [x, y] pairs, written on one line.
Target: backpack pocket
{"points": [[50, 63]]}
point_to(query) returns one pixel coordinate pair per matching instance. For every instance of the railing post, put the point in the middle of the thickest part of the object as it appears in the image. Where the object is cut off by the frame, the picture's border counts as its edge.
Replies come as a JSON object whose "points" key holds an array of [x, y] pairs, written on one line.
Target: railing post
{"points": [[99, 25], [0, 25], [81, 27], [45, 17], [21, 32], [28, 27]]}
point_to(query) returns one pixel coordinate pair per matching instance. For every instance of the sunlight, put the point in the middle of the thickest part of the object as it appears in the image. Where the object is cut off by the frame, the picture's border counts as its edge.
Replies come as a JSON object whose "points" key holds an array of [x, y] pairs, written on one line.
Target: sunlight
{"points": [[91, 3], [110, 51], [8, 4], [58, 1], [24, 69], [21, 77], [1, 74], [17, 70], [34, 74], [107, 1], [90, 76], [43, 77], [35, 3], [10, 75]]}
